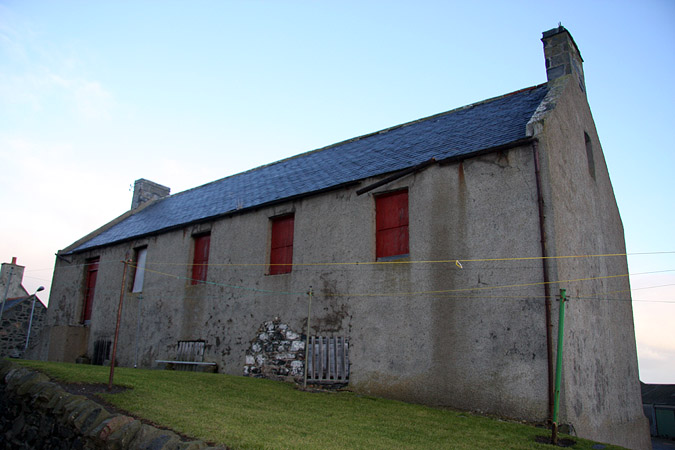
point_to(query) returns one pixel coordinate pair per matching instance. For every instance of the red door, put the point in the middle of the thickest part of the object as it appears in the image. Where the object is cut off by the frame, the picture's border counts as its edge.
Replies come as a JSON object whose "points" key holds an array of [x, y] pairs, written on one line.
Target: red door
{"points": [[200, 264], [90, 288], [391, 218], [281, 251]]}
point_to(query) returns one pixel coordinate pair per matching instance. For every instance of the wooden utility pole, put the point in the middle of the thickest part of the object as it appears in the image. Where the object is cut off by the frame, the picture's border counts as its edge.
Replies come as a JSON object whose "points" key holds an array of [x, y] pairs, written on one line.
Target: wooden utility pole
{"points": [[117, 327]]}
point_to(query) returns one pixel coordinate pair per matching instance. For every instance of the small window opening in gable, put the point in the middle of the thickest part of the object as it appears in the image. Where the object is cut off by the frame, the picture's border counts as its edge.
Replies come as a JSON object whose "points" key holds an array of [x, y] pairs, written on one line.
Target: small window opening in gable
{"points": [[391, 224], [200, 261], [139, 274], [90, 274], [589, 155], [281, 245]]}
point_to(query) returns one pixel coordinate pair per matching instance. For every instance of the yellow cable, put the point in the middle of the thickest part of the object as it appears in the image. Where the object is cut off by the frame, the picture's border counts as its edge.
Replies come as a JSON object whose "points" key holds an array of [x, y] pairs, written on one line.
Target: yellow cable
{"points": [[393, 294], [371, 263]]}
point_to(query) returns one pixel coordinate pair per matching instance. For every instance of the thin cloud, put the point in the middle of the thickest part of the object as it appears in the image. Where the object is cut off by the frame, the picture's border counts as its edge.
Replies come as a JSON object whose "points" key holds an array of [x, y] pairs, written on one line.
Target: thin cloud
{"points": [[89, 98], [36, 75]]}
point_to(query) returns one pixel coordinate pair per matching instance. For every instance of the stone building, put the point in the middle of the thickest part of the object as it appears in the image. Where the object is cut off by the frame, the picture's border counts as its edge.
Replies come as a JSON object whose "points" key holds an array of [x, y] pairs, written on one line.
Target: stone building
{"points": [[432, 253], [21, 312], [658, 402]]}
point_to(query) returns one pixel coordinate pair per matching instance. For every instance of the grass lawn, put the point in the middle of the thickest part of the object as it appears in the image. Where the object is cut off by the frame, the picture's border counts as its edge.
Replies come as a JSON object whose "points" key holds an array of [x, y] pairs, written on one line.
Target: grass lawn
{"points": [[249, 413]]}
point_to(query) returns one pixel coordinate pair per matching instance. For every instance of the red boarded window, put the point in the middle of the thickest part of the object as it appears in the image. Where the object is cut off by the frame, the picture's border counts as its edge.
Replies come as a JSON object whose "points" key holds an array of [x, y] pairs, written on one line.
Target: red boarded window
{"points": [[281, 251], [201, 258], [391, 223], [91, 272]]}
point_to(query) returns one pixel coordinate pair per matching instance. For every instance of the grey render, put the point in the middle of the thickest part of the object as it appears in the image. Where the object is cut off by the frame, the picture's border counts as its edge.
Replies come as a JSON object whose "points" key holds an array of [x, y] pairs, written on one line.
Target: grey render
{"points": [[495, 179]]}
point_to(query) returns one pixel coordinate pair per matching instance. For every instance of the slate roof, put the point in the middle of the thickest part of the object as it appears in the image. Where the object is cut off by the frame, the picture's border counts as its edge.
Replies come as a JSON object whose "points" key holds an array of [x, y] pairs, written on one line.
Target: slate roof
{"points": [[658, 394], [453, 134], [12, 302]]}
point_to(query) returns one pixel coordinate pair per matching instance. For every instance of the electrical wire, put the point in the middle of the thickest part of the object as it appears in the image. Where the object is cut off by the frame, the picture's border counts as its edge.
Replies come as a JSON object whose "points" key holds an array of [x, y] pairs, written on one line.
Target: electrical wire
{"points": [[399, 262], [214, 283], [390, 294]]}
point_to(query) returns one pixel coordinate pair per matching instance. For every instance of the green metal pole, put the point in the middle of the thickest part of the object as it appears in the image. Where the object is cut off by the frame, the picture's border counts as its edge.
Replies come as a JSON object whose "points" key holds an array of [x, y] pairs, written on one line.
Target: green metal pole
{"points": [[558, 367], [309, 315]]}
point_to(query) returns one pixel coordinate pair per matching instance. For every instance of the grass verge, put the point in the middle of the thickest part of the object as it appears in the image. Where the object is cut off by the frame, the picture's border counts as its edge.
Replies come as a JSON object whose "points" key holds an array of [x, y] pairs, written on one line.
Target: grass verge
{"points": [[249, 413]]}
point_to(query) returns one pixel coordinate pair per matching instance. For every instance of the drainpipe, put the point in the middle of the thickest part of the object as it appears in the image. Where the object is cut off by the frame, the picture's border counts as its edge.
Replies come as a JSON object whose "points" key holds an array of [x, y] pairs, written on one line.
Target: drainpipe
{"points": [[545, 268]]}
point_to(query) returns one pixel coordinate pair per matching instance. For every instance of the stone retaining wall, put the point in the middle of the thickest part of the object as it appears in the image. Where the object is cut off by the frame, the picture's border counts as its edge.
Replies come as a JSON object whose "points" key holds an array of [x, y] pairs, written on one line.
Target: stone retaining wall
{"points": [[36, 413]]}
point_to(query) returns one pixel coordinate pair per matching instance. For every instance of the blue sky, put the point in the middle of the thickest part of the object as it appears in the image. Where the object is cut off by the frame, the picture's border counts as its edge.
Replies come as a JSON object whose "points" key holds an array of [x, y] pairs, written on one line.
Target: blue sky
{"points": [[94, 95]]}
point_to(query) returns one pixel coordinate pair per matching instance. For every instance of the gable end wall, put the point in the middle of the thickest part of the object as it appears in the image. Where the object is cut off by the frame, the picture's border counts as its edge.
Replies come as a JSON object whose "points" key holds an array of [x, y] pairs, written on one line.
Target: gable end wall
{"points": [[600, 393]]}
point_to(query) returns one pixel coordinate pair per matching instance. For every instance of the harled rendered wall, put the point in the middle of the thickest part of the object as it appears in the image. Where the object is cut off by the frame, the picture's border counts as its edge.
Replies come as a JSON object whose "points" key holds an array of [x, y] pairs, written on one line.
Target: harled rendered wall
{"points": [[423, 329], [419, 329], [601, 393]]}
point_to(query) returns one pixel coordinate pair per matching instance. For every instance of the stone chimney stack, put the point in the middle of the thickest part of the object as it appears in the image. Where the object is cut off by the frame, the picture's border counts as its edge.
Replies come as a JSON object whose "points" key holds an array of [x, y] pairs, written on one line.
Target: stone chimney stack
{"points": [[562, 56], [146, 190], [12, 273]]}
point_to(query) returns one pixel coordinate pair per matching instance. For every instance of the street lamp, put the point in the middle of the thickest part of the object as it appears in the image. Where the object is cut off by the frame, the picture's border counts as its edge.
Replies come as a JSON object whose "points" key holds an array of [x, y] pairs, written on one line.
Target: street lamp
{"points": [[30, 322]]}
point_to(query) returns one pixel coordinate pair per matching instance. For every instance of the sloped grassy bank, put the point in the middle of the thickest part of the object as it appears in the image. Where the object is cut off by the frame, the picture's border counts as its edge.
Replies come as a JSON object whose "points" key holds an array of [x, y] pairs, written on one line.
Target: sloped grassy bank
{"points": [[36, 413], [248, 413]]}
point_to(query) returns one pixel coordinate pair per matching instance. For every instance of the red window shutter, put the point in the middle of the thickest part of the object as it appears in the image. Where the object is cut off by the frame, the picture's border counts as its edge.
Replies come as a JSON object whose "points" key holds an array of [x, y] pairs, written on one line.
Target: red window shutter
{"points": [[90, 288], [281, 251], [201, 258], [391, 223]]}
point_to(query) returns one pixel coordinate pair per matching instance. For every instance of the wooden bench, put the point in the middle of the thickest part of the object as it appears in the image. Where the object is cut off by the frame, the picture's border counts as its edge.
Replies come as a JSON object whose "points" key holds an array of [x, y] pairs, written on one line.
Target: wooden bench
{"points": [[190, 356]]}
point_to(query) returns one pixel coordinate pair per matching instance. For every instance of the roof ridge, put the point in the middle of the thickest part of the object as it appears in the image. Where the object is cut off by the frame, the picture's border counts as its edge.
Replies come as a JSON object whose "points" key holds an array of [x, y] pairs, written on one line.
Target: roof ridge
{"points": [[358, 138], [423, 119], [459, 132]]}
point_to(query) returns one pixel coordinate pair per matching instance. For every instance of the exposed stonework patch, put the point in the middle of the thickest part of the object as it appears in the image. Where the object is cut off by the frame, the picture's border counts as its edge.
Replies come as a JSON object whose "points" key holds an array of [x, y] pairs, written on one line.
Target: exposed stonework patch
{"points": [[277, 352], [14, 327]]}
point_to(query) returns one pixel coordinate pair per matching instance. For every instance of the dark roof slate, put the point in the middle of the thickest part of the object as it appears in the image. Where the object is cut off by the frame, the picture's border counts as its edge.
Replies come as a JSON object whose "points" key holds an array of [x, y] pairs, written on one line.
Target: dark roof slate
{"points": [[658, 394], [12, 302], [456, 133]]}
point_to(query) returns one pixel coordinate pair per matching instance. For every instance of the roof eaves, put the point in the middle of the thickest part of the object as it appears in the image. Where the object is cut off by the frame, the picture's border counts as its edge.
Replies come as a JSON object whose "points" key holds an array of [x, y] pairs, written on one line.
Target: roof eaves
{"points": [[69, 250], [507, 146], [72, 248]]}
